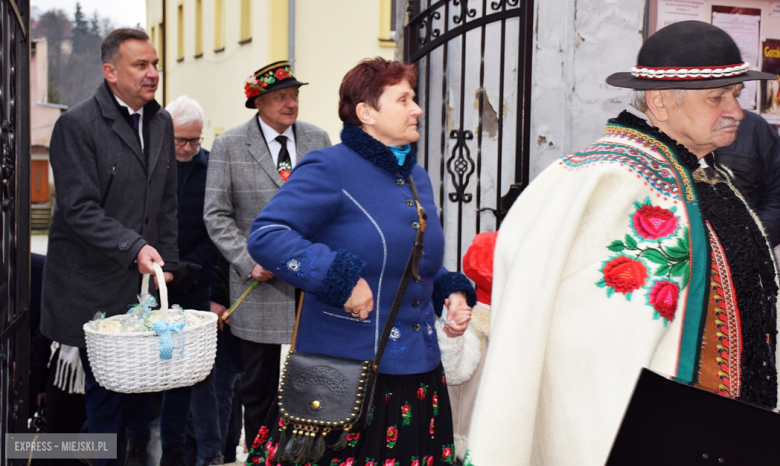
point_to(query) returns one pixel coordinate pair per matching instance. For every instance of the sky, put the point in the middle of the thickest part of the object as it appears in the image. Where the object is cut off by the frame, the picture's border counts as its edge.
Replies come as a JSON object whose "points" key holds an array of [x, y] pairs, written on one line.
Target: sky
{"points": [[122, 12]]}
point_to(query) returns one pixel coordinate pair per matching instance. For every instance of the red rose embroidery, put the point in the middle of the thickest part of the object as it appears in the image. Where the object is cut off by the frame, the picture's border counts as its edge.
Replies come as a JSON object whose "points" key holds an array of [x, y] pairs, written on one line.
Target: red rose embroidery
{"points": [[251, 91], [663, 298], [431, 429], [416, 463], [262, 436], [421, 393], [653, 222], [392, 434], [390, 462], [446, 453], [285, 174], [257, 459], [405, 409], [348, 462], [625, 274], [281, 422], [435, 400], [430, 461], [271, 452], [443, 381], [370, 463], [354, 436]]}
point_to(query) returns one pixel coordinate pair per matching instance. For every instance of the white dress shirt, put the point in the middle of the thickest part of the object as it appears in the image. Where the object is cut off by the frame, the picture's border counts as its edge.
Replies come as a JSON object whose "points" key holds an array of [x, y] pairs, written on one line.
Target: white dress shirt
{"points": [[274, 146], [140, 111]]}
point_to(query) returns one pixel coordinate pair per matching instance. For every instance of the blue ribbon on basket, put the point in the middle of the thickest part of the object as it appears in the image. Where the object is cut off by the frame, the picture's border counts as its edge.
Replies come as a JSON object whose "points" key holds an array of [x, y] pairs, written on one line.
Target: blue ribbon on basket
{"points": [[145, 304], [166, 338]]}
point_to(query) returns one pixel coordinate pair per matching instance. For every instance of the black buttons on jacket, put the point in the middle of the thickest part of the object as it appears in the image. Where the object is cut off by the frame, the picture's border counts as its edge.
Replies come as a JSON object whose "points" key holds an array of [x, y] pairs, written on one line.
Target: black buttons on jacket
{"points": [[415, 303], [399, 181], [410, 203], [416, 327]]}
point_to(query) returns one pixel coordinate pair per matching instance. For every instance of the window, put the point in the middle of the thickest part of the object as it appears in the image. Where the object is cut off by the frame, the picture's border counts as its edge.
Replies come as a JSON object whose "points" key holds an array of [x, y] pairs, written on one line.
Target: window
{"points": [[180, 34], [219, 38], [246, 22], [387, 23], [198, 28], [159, 43]]}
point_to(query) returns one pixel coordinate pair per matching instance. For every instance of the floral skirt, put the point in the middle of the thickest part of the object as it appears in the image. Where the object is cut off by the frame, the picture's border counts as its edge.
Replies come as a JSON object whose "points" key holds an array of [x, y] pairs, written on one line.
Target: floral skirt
{"points": [[410, 425]]}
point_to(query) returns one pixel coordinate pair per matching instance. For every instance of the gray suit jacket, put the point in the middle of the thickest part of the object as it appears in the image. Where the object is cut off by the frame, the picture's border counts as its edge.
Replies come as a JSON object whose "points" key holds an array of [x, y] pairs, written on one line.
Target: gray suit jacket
{"points": [[242, 178], [97, 160]]}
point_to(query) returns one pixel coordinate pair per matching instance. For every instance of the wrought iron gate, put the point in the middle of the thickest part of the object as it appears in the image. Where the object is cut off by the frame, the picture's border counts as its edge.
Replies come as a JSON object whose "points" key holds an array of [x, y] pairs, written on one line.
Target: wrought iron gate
{"points": [[14, 218], [476, 155]]}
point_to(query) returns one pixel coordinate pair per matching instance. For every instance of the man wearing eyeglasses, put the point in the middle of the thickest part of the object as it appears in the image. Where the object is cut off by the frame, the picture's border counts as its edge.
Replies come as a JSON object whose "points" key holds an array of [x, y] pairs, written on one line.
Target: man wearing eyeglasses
{"points": [[247, 166]]}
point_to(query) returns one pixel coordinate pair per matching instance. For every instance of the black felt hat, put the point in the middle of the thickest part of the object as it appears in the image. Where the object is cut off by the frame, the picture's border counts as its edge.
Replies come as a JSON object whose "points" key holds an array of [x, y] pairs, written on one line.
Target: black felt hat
{"points": [[688, 55], [273, 77]]}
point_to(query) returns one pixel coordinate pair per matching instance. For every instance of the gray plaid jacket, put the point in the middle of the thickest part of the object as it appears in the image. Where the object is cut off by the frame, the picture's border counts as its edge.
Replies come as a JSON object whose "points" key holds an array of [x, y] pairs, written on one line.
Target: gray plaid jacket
{"points": [[242, 178]]}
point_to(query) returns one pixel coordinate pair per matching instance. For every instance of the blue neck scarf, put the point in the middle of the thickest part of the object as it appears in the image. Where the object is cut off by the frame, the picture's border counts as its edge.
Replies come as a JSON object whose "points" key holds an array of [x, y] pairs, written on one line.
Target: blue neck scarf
{"points": [[401, 153]]}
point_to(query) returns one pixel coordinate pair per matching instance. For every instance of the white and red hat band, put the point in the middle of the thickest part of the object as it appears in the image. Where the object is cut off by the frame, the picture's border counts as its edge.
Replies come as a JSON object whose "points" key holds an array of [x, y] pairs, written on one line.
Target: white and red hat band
{"points": [[689, 74]]}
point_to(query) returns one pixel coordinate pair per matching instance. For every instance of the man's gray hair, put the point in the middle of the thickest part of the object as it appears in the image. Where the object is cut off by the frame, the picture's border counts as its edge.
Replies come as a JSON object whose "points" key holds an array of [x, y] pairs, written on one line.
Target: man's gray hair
{"points": [[638, 101], [185, 111], [109, 49]]}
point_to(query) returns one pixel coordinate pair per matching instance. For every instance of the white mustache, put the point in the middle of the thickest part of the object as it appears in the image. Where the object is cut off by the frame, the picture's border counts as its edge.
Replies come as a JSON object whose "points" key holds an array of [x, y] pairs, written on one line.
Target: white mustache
{"points": [[726, 123]]}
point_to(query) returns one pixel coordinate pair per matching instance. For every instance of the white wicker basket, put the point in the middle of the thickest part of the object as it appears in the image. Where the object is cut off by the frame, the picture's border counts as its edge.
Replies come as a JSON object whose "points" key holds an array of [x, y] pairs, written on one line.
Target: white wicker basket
{"points": [[131, 363]]}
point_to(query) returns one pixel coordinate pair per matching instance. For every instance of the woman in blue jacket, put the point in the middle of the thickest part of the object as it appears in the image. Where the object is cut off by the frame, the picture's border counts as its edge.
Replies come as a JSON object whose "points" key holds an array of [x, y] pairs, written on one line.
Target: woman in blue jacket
{"points": [[341, 229]]}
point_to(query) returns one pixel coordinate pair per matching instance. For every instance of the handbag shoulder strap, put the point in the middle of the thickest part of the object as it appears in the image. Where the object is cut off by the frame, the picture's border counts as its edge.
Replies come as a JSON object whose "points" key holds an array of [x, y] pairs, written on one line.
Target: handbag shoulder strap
{"points": [[411, 269]]}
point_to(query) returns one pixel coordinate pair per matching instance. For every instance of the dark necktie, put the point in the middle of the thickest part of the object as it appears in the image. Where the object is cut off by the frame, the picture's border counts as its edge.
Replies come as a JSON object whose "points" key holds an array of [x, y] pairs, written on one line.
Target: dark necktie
{"points": [[283, 163], [136, 119]]}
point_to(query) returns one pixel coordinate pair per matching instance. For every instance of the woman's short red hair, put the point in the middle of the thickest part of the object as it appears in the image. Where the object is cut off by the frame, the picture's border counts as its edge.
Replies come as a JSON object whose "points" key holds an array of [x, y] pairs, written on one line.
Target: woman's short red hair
{"points": [[367, 81]]}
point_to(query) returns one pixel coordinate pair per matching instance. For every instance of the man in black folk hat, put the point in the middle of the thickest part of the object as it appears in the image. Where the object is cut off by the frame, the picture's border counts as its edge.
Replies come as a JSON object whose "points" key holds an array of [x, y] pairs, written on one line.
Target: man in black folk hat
{"points": [[248, 164], [636, 252]]}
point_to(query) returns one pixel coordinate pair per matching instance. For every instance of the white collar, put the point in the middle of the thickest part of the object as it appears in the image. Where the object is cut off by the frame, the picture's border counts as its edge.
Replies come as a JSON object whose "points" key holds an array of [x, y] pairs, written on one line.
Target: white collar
{"points": [[121, 102], [270, 134]]}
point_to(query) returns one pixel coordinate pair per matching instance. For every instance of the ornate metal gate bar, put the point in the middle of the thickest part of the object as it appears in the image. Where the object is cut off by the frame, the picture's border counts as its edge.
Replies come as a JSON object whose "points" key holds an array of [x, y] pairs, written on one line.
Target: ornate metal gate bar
{"points": [[486, 46], [14, 218]]}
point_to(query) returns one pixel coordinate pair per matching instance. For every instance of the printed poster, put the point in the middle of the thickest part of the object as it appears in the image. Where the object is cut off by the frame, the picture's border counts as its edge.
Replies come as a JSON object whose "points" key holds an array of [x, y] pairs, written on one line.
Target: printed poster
{"points": [[744, 26], [770, 90], [673, 11]]}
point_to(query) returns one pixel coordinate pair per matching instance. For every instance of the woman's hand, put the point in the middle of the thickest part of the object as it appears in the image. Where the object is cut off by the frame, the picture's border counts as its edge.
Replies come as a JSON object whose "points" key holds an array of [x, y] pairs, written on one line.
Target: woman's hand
{"points": [[361, 301], [458, 313]]}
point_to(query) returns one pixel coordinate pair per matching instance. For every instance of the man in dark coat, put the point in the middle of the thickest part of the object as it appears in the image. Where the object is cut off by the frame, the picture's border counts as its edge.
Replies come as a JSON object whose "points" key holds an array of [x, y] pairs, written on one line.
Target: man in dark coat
{"points": [[754, 160], [115, 213]]}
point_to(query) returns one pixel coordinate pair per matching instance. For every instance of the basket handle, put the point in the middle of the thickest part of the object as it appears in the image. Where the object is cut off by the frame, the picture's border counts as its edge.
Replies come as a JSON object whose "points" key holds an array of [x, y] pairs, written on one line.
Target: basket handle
{"points": [[158, 272]]}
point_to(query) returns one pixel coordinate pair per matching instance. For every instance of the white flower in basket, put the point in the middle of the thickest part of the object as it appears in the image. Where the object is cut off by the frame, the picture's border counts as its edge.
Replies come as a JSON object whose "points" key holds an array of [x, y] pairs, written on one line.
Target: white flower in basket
{"points": [[132, 363]]}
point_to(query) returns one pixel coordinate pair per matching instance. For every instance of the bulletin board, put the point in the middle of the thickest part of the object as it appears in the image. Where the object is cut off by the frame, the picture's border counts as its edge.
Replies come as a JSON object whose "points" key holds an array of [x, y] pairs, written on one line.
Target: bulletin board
{"points": [[755, 27]]}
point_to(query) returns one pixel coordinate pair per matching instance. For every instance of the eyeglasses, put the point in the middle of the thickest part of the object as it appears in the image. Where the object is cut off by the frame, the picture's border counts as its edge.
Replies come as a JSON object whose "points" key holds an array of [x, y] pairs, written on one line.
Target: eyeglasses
{"points": [[194, 142]]}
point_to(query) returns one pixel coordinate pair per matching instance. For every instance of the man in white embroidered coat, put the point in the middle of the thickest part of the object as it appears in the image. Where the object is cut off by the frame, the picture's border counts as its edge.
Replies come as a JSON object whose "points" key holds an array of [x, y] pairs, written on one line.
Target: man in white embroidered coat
{"points": [[636, 252]]}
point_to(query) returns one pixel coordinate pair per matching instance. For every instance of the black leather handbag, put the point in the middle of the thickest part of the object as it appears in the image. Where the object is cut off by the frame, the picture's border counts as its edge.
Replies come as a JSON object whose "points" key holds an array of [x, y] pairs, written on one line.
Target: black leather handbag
{"points": [[319, 394]]}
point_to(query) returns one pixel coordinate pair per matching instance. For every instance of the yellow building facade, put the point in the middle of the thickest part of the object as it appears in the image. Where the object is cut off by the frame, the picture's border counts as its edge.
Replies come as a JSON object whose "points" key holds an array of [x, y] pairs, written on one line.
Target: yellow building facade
{"points": [[208, 48]]}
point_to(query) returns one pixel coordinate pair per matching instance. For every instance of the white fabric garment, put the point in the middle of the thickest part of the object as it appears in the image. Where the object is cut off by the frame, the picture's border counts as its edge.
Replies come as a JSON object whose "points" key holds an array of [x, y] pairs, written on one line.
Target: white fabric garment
{"points": [[69, 376]]}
